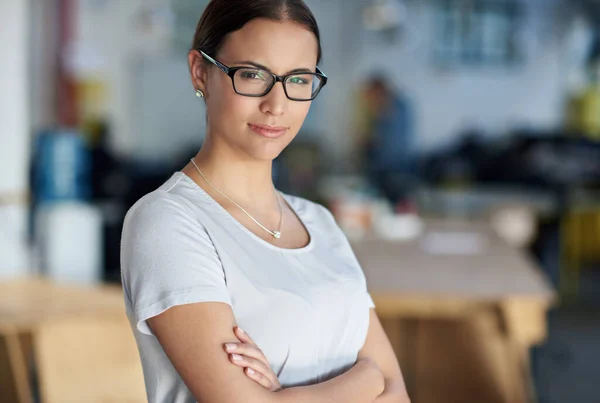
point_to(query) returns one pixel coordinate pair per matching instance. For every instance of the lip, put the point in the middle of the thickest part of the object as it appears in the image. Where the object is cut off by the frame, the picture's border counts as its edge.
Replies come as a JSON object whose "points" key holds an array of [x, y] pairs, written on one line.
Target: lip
{"points": [[271, 132]]}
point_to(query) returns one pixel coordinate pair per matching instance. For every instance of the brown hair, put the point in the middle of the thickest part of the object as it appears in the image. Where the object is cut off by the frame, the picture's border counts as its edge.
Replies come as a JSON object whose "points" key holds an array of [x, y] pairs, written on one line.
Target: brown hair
{"points": [[222, 17]]}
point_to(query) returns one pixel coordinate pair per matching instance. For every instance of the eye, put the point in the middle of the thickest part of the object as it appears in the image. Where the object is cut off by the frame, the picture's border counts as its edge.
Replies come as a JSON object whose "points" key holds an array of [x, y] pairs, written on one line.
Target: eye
{"points": [[302, 80], [253, 75]]}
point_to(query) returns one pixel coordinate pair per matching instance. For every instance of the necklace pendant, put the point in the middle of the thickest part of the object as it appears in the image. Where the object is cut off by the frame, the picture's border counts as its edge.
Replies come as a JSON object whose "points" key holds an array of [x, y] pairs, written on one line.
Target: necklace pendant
{"points": [[277, 234]]}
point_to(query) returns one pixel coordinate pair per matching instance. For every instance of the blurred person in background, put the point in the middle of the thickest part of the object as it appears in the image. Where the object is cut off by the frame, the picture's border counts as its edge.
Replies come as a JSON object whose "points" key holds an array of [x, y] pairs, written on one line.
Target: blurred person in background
{"points": [[385, 138], [216, 248]]}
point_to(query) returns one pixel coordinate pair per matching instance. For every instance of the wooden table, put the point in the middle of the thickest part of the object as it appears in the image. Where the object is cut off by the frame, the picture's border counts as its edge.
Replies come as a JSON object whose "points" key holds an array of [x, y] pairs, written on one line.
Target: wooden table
{"points": [[25, 306], [461, 324]]}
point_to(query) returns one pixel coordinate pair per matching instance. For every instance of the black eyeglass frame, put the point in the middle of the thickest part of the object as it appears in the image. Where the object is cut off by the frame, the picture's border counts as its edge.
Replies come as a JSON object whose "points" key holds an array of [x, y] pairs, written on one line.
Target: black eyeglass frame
{"points": [[230, 71]]}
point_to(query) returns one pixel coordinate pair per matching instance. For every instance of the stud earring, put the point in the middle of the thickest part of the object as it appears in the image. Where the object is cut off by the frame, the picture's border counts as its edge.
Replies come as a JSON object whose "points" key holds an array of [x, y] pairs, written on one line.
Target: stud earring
{"points": [[199, 93]]}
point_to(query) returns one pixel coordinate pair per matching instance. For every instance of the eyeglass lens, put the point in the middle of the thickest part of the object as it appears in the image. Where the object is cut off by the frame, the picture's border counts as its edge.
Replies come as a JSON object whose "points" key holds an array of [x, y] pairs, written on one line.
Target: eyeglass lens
{"points": [[257, 82]]}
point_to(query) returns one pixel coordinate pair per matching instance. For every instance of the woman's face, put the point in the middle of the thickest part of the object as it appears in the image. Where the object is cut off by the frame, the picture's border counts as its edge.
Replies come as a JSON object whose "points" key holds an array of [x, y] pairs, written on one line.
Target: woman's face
{"points": [[237, 120]]}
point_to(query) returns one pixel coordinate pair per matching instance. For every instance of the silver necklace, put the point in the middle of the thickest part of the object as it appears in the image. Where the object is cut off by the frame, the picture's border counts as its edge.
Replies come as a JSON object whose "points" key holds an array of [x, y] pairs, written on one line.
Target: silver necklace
{"points": [[276, 234]]}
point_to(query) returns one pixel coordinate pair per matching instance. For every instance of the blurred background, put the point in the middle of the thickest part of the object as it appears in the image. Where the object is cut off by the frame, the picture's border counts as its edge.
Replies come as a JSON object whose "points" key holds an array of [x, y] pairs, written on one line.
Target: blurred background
{"points": [[457, 143]]}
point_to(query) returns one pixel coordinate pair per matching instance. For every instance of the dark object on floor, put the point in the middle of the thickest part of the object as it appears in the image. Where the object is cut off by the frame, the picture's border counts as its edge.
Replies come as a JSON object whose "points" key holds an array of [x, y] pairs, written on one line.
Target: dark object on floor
{"points": [[567, 367]]}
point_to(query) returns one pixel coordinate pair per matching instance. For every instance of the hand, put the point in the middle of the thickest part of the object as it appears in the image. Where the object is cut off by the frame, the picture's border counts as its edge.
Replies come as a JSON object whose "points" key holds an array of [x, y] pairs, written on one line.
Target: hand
{"points": [[248, 356]]}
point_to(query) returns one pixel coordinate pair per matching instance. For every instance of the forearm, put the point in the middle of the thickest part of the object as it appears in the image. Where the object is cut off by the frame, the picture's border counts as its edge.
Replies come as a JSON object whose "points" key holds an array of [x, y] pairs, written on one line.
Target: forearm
{"points": [[363, 383]]}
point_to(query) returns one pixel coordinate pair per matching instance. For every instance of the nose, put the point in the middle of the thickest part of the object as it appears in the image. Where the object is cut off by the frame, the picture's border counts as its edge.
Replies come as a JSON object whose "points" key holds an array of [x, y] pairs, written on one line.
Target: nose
{"points": [[275, 102]]}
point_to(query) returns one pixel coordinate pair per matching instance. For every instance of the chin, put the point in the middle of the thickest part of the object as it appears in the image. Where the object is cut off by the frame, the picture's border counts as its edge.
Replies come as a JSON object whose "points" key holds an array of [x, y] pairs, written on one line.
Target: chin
{"points": [[266, 154], [266, 151]]}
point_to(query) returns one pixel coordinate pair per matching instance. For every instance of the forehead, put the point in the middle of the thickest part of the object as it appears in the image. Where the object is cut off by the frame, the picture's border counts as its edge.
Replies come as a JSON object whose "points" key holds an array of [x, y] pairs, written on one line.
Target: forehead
{"points": [[280, 45]]}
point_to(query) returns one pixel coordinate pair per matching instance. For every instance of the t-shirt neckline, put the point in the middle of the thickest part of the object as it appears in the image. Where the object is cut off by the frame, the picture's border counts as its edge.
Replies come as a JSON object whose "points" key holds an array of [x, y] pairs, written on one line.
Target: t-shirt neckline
{"points": [[258, 239]]}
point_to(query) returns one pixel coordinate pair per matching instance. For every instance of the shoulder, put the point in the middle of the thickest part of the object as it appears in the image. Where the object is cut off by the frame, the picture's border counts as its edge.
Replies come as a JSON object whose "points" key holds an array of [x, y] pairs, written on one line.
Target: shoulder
{"points": [[156, 212], [315, 215], [164, 242], [168, 205], [165, 220], [308, 208]]}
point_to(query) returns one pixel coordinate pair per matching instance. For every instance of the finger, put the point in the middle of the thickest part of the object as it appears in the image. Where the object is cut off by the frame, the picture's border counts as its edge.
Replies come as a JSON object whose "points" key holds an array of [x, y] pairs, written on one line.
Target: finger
{"points": [[256, 365], [259, 378], [257, 368], [243, 336], [247, 350]]}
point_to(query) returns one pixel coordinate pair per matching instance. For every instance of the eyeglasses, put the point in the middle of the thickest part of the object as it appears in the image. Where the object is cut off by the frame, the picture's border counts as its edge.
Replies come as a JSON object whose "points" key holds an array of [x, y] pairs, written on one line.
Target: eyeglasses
{"points": [[256, 82]]}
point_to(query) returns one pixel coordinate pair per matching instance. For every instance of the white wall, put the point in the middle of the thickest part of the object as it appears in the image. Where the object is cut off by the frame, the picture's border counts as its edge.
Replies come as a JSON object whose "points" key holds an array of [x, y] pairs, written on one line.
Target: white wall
{"points": [[447, 101], [14, 136], [43, 63], [154, 113], [102, 50]]}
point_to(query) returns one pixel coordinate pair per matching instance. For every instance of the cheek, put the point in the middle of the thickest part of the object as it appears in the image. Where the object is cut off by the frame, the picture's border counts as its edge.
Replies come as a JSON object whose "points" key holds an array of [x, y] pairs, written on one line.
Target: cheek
{"points": [[241, 108], [230, 108], [299, 112]]}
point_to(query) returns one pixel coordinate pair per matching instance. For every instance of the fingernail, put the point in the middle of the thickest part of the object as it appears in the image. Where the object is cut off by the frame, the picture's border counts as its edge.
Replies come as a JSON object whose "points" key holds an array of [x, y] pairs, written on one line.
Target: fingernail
{"points": [[236, 357], [250, 371], [241, 330], [230, 346]]}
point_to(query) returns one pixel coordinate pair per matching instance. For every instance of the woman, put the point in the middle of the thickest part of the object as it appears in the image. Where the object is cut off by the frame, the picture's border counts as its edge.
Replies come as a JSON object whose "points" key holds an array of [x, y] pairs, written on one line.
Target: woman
{"points": [[216, 248]]}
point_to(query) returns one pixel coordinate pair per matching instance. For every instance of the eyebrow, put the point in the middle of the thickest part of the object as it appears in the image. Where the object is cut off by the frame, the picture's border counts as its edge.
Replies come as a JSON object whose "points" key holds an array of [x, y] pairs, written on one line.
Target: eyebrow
{"points": [[263, 67]]}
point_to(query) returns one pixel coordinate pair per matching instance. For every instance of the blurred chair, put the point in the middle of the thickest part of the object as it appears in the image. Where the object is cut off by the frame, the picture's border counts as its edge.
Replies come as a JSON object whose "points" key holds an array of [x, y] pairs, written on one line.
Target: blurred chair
{"points": [[88, 359], [580, 248], [14, 375]]}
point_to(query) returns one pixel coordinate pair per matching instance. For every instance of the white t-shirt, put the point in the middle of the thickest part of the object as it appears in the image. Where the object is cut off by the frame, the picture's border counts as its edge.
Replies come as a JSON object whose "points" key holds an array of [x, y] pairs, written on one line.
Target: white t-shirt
{"points": [[307, 308]]}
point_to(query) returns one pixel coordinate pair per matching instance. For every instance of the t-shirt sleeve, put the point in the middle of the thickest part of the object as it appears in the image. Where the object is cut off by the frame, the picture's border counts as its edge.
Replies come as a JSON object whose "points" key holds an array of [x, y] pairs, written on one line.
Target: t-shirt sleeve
{"points": [[370, 302], [167, 259], [340, 241]]}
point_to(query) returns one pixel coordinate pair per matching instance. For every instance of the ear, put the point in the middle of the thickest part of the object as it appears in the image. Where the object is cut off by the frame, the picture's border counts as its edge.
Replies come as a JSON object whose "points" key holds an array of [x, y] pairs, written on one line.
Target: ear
{"points": [[198, 70]]}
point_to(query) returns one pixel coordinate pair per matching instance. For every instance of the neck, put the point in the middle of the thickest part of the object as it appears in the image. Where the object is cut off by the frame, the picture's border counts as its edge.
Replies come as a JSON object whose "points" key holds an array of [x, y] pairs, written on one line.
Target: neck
{"points": [[247, 181]]}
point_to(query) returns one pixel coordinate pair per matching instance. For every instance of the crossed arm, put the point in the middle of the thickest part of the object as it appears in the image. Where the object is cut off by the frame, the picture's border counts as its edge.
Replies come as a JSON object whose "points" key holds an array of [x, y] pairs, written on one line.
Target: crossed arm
{"points": [[193, 337], [377, 347]]}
